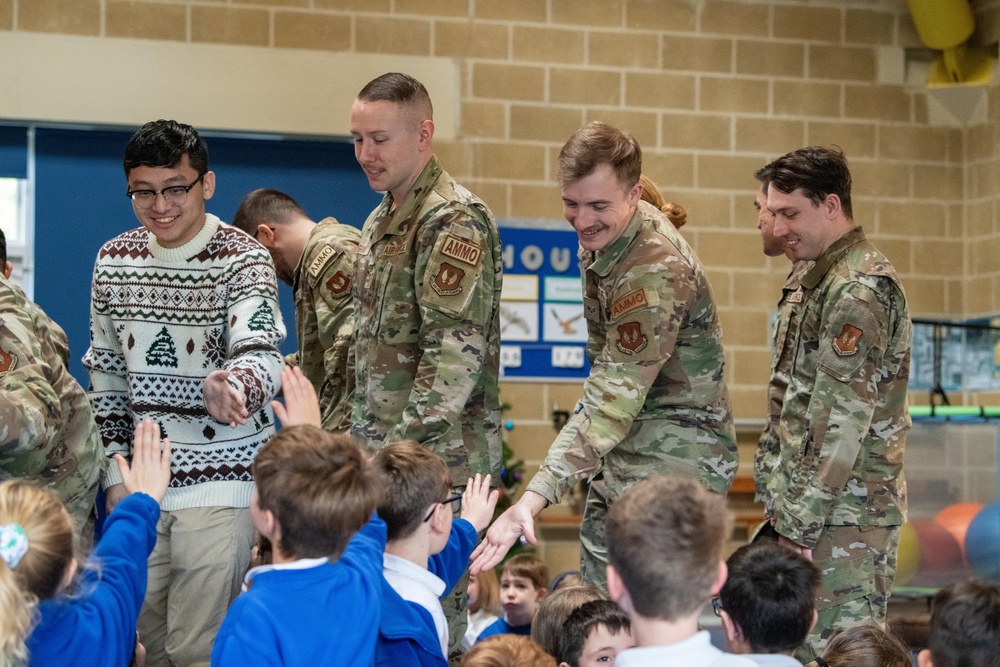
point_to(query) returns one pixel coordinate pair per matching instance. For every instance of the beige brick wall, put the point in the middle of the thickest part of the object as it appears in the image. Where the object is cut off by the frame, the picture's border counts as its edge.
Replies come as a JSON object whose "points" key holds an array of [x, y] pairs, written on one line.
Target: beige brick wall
{"points": [[713, 89]]}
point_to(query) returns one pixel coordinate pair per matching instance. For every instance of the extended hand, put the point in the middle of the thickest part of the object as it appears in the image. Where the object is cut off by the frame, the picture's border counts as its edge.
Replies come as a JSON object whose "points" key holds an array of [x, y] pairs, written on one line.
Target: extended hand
{"points": [[478, 502], [517, 521], [150, 471], [301, 405], [224, 401]]}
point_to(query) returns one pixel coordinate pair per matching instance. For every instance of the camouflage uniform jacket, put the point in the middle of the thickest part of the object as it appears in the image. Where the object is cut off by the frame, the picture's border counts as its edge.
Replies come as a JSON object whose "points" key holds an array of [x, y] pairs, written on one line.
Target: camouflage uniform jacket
{"points": [[656, 400], [767, 455], [844, 419], [324, 318], [427, 337], [47, 429]]}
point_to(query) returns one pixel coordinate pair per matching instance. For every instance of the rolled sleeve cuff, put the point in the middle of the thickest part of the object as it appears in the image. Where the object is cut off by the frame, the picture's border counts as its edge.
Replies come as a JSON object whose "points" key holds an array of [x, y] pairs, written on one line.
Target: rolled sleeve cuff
{"points": [[547, 485]]}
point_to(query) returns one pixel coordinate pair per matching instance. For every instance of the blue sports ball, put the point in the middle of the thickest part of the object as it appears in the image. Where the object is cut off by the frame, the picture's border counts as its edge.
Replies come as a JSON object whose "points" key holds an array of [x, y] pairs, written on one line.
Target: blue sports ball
{"points": [[982, 542]]}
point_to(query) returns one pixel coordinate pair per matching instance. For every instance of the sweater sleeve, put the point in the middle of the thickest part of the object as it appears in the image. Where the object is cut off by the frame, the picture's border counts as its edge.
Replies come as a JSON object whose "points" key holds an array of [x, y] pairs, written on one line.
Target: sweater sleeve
{"points": [[256, 329], [452, 562]]}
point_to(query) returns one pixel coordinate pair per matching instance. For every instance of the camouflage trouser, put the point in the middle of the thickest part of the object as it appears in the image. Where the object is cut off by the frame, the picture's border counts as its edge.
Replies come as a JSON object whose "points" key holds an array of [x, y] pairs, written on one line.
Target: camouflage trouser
{"points": [[456, 606], [858, 565], [593, 542]]}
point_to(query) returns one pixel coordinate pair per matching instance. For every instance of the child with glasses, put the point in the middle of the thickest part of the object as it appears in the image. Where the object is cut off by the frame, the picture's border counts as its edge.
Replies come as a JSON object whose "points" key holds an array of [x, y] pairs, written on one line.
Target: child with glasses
{"points": [[427, 551]]}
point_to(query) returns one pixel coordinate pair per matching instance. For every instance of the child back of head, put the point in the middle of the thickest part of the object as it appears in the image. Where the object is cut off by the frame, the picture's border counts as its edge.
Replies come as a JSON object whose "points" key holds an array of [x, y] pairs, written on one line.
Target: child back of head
{"points": [[507, 651], [414, 478], [965, 626], [36, 550], [594, 634], [320, 488], [552, 612], [769, 595], [865, 646], [665, 540]]}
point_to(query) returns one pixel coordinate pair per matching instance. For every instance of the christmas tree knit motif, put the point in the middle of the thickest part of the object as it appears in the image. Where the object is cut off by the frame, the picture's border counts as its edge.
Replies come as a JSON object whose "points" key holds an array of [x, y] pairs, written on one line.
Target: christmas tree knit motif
{"points": [[262, 319], [162, 352]]}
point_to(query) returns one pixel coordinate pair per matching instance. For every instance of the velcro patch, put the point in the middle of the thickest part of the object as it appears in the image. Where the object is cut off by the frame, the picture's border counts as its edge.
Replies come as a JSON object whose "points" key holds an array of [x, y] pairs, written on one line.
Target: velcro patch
{"points": [[846, 342], [631, 340], [394, 247], [338, 284], [795, 297], [317, 264], [448, 281], [628, 303], [7, 361], [462, 251]]}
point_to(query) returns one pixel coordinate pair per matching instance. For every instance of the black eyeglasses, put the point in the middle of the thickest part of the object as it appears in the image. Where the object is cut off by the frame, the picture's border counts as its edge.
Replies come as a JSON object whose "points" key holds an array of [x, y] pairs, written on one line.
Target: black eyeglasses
{"points": [[175, 195], [453, 499], [717, 606]]}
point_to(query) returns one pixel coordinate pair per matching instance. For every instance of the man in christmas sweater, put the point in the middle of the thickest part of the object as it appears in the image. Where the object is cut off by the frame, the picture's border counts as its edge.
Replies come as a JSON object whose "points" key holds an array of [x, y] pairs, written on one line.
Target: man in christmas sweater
{"points": [[185, 329]]}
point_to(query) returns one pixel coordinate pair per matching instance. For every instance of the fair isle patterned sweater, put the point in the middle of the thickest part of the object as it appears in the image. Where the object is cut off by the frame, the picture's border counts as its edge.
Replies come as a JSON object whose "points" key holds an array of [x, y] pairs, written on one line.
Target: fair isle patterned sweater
{"points": [[161, 320]]}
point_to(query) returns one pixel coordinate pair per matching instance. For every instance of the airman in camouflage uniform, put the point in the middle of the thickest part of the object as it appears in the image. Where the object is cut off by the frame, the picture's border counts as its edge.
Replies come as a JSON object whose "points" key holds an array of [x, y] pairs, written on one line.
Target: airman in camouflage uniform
{"points": [[317, 260], [655, 402], [47, 429], [837, 493], [427, 290]]}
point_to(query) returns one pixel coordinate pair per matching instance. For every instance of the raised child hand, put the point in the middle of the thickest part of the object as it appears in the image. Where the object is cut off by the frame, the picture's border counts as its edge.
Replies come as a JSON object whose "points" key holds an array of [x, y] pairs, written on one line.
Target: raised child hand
{"points": [[301, 405], [150, 471], [478, 502]]}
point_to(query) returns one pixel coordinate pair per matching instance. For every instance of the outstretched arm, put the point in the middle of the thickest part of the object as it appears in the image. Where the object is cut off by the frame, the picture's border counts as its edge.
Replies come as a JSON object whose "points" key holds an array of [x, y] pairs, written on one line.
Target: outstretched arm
{"points": [[517, 521]]}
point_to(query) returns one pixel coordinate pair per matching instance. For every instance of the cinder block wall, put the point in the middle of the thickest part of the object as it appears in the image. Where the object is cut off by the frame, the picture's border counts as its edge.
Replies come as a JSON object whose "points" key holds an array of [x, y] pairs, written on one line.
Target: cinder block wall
{"points": [[713, 89]]}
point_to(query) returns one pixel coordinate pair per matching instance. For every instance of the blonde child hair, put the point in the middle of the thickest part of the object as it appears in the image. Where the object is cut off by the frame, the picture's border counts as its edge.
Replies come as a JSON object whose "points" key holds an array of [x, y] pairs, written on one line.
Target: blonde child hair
{"points": [[489, 593], [37, 549], [507, 651]]}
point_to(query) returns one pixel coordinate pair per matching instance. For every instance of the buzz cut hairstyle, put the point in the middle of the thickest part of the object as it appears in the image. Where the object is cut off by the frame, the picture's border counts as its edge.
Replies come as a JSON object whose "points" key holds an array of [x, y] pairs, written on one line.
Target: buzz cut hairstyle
{"points": [[529, 567], [965, 624], [414, 478], [665, 539], [265, 205], [598, 143], [401, 89], [320, 487], [583, 621], [164, 143], [770, 593], [818, 170]]}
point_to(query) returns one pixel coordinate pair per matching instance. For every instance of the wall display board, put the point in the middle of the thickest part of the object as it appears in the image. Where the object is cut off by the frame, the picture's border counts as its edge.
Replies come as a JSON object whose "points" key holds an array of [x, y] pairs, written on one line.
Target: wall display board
{"points": [[542, 329]]}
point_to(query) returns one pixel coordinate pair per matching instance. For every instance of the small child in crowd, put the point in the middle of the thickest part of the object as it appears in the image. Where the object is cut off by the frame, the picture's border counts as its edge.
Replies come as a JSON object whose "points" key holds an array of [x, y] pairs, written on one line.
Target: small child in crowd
{"points": [[665, 539], [315, 498], [594, 634], [507, 651], [965, 626], [866, 646], [551, 615], [484, 604], [767, 604], [566, 579], [524, 582], [41, 625], [427, 551]]}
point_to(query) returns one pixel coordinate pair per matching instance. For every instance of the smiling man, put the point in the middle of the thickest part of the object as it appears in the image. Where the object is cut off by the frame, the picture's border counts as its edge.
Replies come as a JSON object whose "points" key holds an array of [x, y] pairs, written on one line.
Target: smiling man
{"points": [[185, 330], [427, 295], [656, 400], [836, 492]]}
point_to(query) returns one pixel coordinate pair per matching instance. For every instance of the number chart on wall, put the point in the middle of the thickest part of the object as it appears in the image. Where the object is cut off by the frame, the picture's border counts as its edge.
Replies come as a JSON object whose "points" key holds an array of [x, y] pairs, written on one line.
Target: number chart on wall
{"points": [[543, 332]]}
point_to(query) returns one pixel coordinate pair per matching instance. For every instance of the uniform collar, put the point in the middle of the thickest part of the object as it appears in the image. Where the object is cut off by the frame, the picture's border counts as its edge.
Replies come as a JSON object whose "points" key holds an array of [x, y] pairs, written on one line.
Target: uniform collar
{"points": [[605, 260], [830, 256], [397, 221]]}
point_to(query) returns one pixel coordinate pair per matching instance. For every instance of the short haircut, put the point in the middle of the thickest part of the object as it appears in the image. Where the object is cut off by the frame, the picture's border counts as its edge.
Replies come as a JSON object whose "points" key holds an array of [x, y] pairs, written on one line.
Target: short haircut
{"points": [[583, 621], [965, 624], [763, 175], [320, 487], [770, 594], [262, 206], [401, 89], [665, 537], [868, 646], [163, 143], [413, 478], [552, 612], [818, 170], [598, 143], [530, 567], [507, 651]]}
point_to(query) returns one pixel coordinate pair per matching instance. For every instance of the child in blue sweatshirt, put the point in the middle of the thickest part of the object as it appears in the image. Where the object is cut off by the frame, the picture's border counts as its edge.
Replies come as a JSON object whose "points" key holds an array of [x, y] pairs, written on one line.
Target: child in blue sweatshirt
{"points": [[427, 550], [41, 625]]}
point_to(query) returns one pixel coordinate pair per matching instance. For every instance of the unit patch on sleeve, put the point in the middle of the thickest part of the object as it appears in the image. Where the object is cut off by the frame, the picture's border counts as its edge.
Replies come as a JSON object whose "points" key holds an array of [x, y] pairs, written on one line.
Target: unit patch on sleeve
{"points": [[461, 250], [317, 264], [846, 342], [7, 361], [628, 303], [339, 284], [631, 340], [448, 280]]}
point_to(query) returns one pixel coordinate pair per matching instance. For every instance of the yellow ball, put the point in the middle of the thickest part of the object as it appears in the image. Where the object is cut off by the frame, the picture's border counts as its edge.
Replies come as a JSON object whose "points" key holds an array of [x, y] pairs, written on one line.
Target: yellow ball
{"points": [[908, 555]]}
